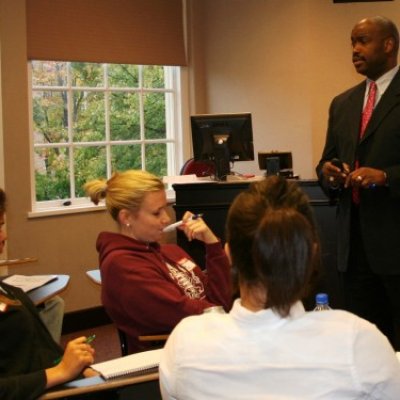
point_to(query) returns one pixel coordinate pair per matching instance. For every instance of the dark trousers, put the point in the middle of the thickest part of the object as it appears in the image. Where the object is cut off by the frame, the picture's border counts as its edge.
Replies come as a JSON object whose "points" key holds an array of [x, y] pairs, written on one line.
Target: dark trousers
{"points": [[374, 297]]}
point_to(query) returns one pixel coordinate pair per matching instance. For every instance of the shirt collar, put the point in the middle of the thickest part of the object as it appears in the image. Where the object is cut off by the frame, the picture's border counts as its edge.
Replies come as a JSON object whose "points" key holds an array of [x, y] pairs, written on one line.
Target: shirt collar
{"points": [[246, 316], [383, 81]]}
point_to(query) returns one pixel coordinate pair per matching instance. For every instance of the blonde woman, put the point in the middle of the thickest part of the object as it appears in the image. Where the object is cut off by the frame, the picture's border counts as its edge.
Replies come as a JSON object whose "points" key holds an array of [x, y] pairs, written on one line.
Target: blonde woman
{"points": [[148, 287]]}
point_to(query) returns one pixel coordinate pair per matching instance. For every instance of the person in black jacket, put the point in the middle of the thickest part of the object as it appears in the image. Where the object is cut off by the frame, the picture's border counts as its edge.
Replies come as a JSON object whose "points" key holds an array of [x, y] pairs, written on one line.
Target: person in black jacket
{"points": [[360, 165], [30, 360]]}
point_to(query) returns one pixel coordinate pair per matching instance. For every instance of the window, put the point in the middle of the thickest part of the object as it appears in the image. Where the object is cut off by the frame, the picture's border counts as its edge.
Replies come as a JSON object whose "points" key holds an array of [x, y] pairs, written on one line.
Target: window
{"points": [[90, 120]]}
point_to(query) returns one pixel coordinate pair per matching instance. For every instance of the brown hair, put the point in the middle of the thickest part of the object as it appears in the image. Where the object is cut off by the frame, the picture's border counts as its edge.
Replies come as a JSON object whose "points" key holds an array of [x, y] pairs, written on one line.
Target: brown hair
{"points": [[283, 257], [245, 217], [124, 190]]}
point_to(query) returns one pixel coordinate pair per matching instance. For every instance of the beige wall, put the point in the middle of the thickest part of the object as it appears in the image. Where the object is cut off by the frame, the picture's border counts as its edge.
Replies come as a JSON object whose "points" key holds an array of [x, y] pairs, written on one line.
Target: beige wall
{"points": [[281, 60]]}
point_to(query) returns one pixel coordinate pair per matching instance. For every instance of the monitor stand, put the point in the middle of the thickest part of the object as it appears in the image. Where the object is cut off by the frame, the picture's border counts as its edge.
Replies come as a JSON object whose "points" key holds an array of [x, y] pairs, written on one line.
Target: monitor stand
{"points": [[222, 161]]}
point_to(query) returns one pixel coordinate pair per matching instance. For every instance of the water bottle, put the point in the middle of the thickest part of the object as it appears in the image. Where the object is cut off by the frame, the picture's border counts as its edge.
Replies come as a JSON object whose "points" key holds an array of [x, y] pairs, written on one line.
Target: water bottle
{"points": [[321, 302]]}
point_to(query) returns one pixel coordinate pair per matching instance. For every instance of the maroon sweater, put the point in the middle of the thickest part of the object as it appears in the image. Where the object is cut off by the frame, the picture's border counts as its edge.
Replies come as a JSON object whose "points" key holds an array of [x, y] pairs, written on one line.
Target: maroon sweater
{"points": [[148, 288]]}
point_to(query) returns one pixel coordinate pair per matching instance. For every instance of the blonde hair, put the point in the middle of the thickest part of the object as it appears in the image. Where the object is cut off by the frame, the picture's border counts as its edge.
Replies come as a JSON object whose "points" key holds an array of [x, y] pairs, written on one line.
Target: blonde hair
{"points": [[124, 190]]}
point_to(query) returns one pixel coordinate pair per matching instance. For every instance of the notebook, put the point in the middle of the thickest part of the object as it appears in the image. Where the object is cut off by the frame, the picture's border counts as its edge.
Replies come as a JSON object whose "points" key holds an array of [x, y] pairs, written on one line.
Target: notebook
{"points": [[131, 364], [29, 282]]}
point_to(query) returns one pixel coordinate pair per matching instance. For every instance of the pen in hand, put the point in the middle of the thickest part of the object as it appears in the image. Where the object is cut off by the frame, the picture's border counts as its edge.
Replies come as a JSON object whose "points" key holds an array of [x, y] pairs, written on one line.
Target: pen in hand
{"points": [[173, 226], [88, 340]]}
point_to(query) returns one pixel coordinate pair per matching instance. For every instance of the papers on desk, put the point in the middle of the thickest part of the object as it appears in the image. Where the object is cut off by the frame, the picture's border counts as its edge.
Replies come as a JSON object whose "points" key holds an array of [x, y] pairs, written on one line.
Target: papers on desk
{"points": [[137, 363], [29, 282]]}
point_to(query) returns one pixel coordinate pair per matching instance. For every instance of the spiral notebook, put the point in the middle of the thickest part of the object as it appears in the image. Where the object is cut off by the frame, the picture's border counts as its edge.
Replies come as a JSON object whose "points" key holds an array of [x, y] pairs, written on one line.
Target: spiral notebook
{"points": [[137, 363]]}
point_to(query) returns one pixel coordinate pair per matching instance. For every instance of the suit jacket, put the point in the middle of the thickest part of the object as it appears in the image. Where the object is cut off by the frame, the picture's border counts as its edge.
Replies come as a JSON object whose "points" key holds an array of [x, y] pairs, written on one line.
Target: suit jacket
{"points": [[379, 208]]}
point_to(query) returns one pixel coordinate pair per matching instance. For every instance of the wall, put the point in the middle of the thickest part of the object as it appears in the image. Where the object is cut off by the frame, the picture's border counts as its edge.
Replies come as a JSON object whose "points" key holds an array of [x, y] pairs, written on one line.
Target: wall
{"points": [[281, 60], [63, 244]]}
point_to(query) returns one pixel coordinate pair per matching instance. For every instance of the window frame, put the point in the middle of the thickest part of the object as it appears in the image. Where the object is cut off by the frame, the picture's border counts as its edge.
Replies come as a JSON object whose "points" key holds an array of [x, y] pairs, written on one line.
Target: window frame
{"points": [[175, 115]]}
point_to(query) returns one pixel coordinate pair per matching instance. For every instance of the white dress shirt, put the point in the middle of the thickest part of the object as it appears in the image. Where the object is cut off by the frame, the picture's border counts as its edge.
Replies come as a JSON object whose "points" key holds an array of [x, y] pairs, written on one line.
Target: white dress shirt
{"points": [[382, 84], [259, 355]]}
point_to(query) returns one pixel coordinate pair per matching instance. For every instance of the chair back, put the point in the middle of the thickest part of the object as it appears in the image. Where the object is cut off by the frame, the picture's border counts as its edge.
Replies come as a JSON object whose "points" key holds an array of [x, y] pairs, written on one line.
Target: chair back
{"points": [[123, 342], [199, 168]]}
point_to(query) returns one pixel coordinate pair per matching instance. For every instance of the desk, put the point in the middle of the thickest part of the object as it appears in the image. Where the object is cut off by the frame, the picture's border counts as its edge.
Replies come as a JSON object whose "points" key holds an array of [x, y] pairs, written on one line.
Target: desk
{"points": [[139, 387], [17, 261], [45, 292], [213, 199], [94, 276]]}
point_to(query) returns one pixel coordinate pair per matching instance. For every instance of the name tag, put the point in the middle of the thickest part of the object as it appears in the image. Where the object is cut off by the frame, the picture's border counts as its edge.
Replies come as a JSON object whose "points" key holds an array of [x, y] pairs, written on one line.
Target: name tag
{"points": [[187, 264]]}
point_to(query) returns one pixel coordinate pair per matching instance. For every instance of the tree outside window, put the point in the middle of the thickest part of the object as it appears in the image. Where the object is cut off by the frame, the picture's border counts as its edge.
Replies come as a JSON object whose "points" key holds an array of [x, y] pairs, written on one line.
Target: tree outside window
{"points": [[90, 120]]}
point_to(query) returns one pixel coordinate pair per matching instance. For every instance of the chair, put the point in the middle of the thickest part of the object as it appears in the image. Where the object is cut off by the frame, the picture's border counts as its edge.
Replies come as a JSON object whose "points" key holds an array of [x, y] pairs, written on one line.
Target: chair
{"points": [[154, 341], [123, 342], [199, 168]]}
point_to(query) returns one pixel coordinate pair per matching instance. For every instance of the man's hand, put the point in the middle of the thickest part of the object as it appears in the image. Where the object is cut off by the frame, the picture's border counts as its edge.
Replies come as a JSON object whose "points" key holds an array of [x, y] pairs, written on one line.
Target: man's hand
{"points": [[365, 177], [334, 175]]}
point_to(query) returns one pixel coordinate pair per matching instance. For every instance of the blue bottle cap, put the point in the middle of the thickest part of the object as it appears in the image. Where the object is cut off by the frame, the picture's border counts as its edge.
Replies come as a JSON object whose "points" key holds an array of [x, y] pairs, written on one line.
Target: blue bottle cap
{"points": [[321, 298]]}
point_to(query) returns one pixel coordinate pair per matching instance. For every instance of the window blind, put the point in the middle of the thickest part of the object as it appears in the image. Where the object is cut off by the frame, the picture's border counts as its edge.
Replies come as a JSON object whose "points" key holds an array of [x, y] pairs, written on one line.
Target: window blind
{"points": [[146, 32]]}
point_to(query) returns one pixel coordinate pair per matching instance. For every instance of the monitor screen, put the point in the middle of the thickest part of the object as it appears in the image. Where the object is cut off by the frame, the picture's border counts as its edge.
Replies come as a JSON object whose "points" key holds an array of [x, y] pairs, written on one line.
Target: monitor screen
{"points": [[222, 138]]}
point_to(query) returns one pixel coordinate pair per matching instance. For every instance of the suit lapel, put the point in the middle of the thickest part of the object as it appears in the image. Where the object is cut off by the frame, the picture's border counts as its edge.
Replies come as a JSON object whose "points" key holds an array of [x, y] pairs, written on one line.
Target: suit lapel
{"points": [[356, 100], [390, 99]]}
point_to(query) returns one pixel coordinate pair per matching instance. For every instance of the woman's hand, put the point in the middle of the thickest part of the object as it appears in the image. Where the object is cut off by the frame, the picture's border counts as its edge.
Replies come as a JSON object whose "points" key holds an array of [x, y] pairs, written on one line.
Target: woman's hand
{"points": [[77, 356], [197, 229]]}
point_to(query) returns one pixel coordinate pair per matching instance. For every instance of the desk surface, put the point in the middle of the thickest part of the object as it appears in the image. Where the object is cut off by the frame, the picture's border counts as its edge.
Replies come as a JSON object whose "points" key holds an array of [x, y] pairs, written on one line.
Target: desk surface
{"points": [[94, 275], [49, 290], [96, 384], [45, 292]]}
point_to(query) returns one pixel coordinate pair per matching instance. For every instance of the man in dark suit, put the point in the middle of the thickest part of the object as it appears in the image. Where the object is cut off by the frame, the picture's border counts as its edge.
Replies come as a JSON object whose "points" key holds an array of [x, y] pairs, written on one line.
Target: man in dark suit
{"points": [[361, 167]]}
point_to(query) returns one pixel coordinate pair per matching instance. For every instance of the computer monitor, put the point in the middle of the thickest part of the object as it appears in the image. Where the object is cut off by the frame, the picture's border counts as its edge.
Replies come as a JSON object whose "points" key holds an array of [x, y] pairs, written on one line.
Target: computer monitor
{"points": [[223, 139]]}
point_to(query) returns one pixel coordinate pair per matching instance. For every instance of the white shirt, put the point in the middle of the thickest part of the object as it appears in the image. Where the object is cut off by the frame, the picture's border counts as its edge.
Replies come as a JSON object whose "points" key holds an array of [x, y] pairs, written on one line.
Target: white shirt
{"points": [[382, 84], [259, 355]]}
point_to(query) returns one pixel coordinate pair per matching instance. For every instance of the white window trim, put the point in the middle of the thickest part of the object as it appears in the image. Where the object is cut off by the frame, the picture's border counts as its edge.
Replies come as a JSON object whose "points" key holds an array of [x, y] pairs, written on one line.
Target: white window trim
{"points": [[82, 205]]}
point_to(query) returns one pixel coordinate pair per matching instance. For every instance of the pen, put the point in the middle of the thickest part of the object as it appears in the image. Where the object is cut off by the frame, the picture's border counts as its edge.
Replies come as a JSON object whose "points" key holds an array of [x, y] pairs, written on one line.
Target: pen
{"points": [[88, 340], [173, 226]]}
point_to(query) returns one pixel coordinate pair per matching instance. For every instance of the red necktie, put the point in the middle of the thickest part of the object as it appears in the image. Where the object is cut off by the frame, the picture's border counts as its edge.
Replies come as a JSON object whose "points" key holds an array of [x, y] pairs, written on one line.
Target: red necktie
{"points": [[365, 117]]}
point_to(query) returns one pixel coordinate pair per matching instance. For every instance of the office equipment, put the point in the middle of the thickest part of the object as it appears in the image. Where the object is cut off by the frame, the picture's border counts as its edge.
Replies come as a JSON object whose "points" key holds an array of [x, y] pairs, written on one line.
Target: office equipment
{"points": [[223, 139], [276, 163], [131, 364]]}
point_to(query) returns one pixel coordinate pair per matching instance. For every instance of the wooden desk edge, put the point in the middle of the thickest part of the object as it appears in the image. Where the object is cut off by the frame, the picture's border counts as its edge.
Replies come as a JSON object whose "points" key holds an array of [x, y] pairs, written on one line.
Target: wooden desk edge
{"points": [[17, 261], [106, 385], [149, 338]]}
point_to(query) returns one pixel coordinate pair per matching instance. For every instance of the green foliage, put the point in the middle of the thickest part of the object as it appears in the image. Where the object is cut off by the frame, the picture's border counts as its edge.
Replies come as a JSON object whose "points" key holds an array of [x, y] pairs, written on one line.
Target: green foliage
{"points": [[79, 116]]}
